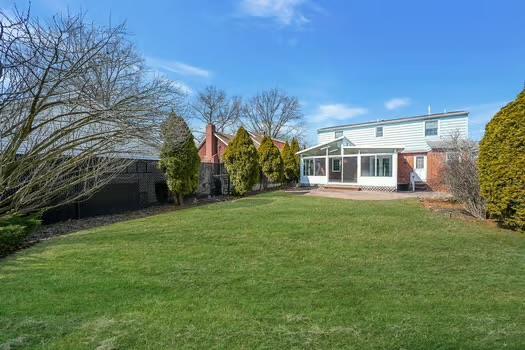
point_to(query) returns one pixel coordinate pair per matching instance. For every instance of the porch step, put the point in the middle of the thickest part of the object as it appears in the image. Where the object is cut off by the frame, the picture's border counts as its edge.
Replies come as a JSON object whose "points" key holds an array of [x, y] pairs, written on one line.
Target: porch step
{"points": [[340, 188], [421, 186]]}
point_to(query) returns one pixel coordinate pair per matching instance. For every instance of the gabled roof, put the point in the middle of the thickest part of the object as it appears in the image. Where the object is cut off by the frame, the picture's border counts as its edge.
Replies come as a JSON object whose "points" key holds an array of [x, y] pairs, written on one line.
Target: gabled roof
{"points": [[395, 120], [323, 144], [227, 138]]}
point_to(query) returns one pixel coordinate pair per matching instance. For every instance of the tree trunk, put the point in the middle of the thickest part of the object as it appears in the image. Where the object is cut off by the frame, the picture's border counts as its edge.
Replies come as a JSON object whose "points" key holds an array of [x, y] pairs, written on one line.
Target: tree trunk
{"points": [[180, 199]]}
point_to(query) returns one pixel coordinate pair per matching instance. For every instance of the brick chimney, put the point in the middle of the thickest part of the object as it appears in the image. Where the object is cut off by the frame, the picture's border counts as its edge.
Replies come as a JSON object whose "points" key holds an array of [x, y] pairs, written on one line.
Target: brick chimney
{"points": [[211, 144]]}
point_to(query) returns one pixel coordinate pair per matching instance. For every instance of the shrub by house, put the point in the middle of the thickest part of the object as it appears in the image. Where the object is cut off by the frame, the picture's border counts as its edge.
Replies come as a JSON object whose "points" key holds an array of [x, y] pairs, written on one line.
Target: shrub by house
{"points": [[502, 165]]}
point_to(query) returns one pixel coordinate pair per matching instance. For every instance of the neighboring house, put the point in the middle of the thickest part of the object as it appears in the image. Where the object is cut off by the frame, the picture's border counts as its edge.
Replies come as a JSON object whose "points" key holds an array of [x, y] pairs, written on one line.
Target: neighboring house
{"points": [[212, 148], [383, 155], [213, 177]]}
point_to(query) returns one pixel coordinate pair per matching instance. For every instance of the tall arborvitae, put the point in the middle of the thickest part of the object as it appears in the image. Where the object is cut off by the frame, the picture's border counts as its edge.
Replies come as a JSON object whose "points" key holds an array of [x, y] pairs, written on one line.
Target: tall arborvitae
{"points": [[179, 158], [294, 148], [270, 161], [241, 161]]}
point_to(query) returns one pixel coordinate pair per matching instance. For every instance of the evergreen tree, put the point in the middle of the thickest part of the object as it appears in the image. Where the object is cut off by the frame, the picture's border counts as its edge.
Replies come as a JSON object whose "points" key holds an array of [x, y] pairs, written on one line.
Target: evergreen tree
{"points": [[270, 160], [502, 165], [289, 163], [179, 158], [241, 161], [294, 148]]}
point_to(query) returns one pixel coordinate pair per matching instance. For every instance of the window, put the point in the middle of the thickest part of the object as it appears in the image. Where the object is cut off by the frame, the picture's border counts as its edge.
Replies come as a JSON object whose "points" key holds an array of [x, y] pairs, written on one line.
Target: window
{"points": [[384, 165], [420, 162], [338, 134], [368, 166], [308, 167], [336, 165], [379, 131], [377, 165], [320, 166], [431, 128]]}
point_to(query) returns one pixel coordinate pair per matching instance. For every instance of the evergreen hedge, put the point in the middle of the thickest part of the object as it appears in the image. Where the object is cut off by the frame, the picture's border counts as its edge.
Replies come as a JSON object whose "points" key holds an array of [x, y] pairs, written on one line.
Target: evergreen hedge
{"points": [[502, 165], [241, 161], [270, 160], [179, 158], [294, 148]]}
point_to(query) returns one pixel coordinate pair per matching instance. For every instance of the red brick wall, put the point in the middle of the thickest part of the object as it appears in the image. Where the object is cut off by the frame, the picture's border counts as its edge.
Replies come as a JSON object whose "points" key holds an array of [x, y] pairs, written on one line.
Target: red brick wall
{"points": [[405, 165], [435, 175], [435, 163]]}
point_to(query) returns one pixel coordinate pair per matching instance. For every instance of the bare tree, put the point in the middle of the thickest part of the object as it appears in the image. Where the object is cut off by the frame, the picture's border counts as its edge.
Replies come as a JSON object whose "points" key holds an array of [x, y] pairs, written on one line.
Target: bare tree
{"points": [[461, 174], [273, 113], [212, 106], [75, 104]]}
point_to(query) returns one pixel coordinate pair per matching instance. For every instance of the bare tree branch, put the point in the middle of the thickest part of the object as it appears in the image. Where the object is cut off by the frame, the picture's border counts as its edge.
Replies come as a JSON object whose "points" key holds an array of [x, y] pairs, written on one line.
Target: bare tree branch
{"points": [[273, 113], [75, 106], [461, 174], [212, 106]]}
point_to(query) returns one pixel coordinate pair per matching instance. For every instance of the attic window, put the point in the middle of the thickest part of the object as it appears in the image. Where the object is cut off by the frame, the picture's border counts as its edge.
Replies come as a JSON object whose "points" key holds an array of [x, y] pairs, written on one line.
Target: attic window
{"points": [[379, 131], [338, 134]]}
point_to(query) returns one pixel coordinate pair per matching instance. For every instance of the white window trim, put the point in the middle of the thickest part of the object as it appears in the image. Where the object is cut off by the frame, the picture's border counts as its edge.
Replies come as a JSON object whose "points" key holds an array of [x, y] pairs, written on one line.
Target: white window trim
{"points": [[333, 162], [425, 127], [382, 131]]}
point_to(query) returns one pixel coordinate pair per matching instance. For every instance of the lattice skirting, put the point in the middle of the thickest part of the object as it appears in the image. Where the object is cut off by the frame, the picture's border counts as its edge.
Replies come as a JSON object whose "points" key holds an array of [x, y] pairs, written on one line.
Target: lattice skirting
{"points": [[379, 188]]}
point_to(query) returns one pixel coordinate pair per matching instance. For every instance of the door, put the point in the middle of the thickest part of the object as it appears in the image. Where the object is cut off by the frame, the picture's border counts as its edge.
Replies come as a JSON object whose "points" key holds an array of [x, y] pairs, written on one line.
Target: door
{"points": [[350, 169], [420, 168]]}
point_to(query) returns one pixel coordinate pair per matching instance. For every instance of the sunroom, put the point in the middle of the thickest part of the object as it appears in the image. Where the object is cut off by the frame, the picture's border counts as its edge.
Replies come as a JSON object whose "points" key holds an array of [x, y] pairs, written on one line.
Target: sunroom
{"points": [[340, 162]]}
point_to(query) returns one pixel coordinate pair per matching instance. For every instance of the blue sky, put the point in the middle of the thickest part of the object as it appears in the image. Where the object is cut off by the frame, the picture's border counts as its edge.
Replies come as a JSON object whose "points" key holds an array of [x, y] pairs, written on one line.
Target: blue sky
{"points": [[346, 61]]}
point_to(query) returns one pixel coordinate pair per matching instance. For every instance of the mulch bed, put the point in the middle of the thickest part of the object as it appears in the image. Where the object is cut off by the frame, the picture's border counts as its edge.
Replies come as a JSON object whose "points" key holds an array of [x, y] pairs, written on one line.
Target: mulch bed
{"points": [[69, 226]]}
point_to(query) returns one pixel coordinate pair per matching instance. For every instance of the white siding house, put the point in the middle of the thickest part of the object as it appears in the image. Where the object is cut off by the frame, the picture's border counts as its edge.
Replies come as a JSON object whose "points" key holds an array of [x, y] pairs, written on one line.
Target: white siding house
{"points": [[366, 154]]}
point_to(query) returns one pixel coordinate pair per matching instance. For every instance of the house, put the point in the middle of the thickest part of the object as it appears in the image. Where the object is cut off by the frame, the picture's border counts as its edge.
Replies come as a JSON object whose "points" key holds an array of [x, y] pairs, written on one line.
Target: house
{"points": [[213, 176], [212, 148], [384, 155]]}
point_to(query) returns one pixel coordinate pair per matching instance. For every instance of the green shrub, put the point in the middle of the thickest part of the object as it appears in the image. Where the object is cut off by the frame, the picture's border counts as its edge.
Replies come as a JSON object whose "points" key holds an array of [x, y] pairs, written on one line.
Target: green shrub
{"points": [[179, 158], [294, 148], [14, 231], [241, 161], [270, 160], [291, 162], [502, 165]]}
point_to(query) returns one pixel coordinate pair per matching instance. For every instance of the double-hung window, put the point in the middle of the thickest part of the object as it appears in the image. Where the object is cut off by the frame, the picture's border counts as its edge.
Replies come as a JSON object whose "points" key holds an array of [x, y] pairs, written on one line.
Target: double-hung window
{"points": [[431, 128], [379, 131]]}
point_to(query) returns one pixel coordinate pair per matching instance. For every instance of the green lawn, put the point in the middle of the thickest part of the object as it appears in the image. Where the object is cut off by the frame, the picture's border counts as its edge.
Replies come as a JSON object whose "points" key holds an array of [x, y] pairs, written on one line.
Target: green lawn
{"points": [[272, 271]]}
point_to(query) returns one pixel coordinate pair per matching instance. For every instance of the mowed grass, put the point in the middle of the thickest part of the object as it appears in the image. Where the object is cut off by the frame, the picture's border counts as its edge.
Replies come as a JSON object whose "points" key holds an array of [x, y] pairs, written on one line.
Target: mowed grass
{"points": [[273, 271]]}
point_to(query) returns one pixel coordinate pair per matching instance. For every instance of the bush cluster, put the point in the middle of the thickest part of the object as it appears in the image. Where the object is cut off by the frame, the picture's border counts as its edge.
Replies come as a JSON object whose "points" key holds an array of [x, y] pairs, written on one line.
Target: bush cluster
{"points": [[13, 232]]}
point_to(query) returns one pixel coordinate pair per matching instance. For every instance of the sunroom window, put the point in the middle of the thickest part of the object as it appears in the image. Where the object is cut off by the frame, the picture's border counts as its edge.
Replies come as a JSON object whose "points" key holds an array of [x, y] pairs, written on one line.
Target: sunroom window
{"points": [[308, 167], [376, 165]]}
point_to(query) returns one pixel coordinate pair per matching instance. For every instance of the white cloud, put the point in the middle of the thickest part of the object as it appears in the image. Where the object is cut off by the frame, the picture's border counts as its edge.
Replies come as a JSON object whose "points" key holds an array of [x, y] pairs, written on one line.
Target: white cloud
{"points": [[178, 67], [184, 88], [286, 12], [337, 111], [398, 102]]}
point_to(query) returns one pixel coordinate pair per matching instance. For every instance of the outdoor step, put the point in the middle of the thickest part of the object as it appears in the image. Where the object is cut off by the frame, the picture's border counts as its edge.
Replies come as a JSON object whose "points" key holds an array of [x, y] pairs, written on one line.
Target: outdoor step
{"points": [[341, 188]]}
